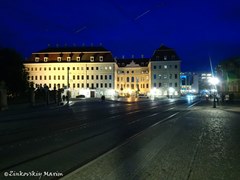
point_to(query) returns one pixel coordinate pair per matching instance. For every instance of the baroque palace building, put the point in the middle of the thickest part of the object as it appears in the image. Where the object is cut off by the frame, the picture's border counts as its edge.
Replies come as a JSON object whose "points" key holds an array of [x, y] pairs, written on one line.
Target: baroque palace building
{"points": [[93, 72]]}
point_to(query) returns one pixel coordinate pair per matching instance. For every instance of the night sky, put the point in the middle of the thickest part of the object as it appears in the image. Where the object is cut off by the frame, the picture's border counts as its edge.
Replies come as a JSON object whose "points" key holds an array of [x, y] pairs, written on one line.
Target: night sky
{"points": [[195, 29]]}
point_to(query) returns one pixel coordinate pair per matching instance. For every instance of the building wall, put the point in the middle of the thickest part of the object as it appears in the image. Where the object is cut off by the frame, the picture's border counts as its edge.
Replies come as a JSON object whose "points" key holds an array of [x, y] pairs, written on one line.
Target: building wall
{"points": [[165, 74], [132, 80], [83, 77], [93, 72]]}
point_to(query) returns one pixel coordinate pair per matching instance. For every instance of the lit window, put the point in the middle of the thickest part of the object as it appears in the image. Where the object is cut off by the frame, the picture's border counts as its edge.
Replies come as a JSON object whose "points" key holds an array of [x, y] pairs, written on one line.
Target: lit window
{"points": [[165, 58], [68, 58], [45, 59], [36, 59], [91, 58], [78, 58], [110, 67], [59, 59], [105, 67], [165, 66], [101, 58]]}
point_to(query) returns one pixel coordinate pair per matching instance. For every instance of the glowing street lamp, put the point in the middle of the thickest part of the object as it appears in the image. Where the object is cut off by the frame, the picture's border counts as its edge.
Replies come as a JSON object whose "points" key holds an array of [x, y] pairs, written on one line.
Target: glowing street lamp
{"points": [[214, 81]]}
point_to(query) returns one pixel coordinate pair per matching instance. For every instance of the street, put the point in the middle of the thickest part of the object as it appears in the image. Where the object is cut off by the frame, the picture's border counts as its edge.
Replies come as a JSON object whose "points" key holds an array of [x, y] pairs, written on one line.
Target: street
{"points": [[91, 139]]}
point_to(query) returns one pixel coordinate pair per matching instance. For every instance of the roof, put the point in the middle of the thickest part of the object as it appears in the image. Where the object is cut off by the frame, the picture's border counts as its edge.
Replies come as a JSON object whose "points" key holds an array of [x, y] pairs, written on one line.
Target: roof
{"points": [[73, 49], [164, 53], [142, 62]]}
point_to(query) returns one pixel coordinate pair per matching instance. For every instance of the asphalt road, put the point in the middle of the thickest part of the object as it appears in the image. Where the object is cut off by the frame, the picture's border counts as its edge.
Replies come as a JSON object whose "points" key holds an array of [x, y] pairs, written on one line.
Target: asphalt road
{"points": [[143, 140]]}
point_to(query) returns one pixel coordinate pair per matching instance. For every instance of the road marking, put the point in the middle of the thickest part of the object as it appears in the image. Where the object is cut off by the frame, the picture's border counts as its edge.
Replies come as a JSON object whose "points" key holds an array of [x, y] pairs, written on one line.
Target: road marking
{"points": [[112, 117], [165, 119], [169, 109], [193, 104], [133, 112], [152, 115]]}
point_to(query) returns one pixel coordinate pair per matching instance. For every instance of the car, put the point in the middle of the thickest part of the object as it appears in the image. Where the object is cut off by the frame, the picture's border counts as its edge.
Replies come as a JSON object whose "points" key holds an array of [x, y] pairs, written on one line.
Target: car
{"points": [[80, 96]]}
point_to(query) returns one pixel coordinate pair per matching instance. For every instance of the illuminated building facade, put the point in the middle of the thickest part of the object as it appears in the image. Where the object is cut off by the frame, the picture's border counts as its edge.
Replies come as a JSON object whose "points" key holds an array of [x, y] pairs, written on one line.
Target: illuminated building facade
{"points": [[85, 71], [164, 69], [189, 82], [132, 77], [93, 72]]}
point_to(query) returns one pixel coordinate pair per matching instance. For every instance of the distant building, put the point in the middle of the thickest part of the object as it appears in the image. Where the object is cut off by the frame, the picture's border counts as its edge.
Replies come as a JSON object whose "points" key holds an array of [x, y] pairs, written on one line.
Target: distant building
{"points": [[229, 74], [204, 85], [132, 77], [165, 66], [93, 72], [189, 82]]}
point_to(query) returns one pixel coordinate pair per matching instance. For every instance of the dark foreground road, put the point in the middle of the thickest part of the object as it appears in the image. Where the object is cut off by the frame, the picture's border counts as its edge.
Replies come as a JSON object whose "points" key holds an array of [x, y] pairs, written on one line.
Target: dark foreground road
{"points": [[204, 143], [161, 139]]}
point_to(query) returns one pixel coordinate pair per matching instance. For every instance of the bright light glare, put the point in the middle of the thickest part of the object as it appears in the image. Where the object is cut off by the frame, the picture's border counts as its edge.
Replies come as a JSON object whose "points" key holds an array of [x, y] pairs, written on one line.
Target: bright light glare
{"points": [[214, 81], [171, 89]]}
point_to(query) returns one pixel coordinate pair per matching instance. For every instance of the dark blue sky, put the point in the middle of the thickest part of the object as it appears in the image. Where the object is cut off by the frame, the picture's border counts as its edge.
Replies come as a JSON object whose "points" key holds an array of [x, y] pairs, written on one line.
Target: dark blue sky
{"points": [[195, 29]]}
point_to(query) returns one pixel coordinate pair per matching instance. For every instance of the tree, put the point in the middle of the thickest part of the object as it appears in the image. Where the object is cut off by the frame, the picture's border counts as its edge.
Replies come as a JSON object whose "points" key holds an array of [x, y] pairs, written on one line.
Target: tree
{"points": [[12, 71]]}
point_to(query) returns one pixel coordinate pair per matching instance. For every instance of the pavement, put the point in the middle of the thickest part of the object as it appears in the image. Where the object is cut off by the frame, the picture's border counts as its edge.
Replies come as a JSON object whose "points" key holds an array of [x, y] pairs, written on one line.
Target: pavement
{"points": [[202, 144]]}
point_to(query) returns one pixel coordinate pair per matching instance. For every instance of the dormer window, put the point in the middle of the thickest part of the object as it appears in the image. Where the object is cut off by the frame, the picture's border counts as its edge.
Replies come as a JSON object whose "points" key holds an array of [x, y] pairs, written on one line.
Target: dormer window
{"points": [[165, 58], [100, 58], [59, 59], [91, 58], [68, 59], [36, 59], [45, 59], [78, 58]]}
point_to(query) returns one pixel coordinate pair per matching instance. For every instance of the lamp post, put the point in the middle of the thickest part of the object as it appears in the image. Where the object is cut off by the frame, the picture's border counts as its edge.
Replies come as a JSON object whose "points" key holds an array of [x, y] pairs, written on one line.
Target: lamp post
{"points": [[68, 93], [214, 81]]}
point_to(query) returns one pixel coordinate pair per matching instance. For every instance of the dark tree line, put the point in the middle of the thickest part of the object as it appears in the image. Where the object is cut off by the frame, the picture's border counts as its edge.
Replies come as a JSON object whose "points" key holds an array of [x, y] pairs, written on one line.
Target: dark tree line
{"points": [[12, 71]]}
